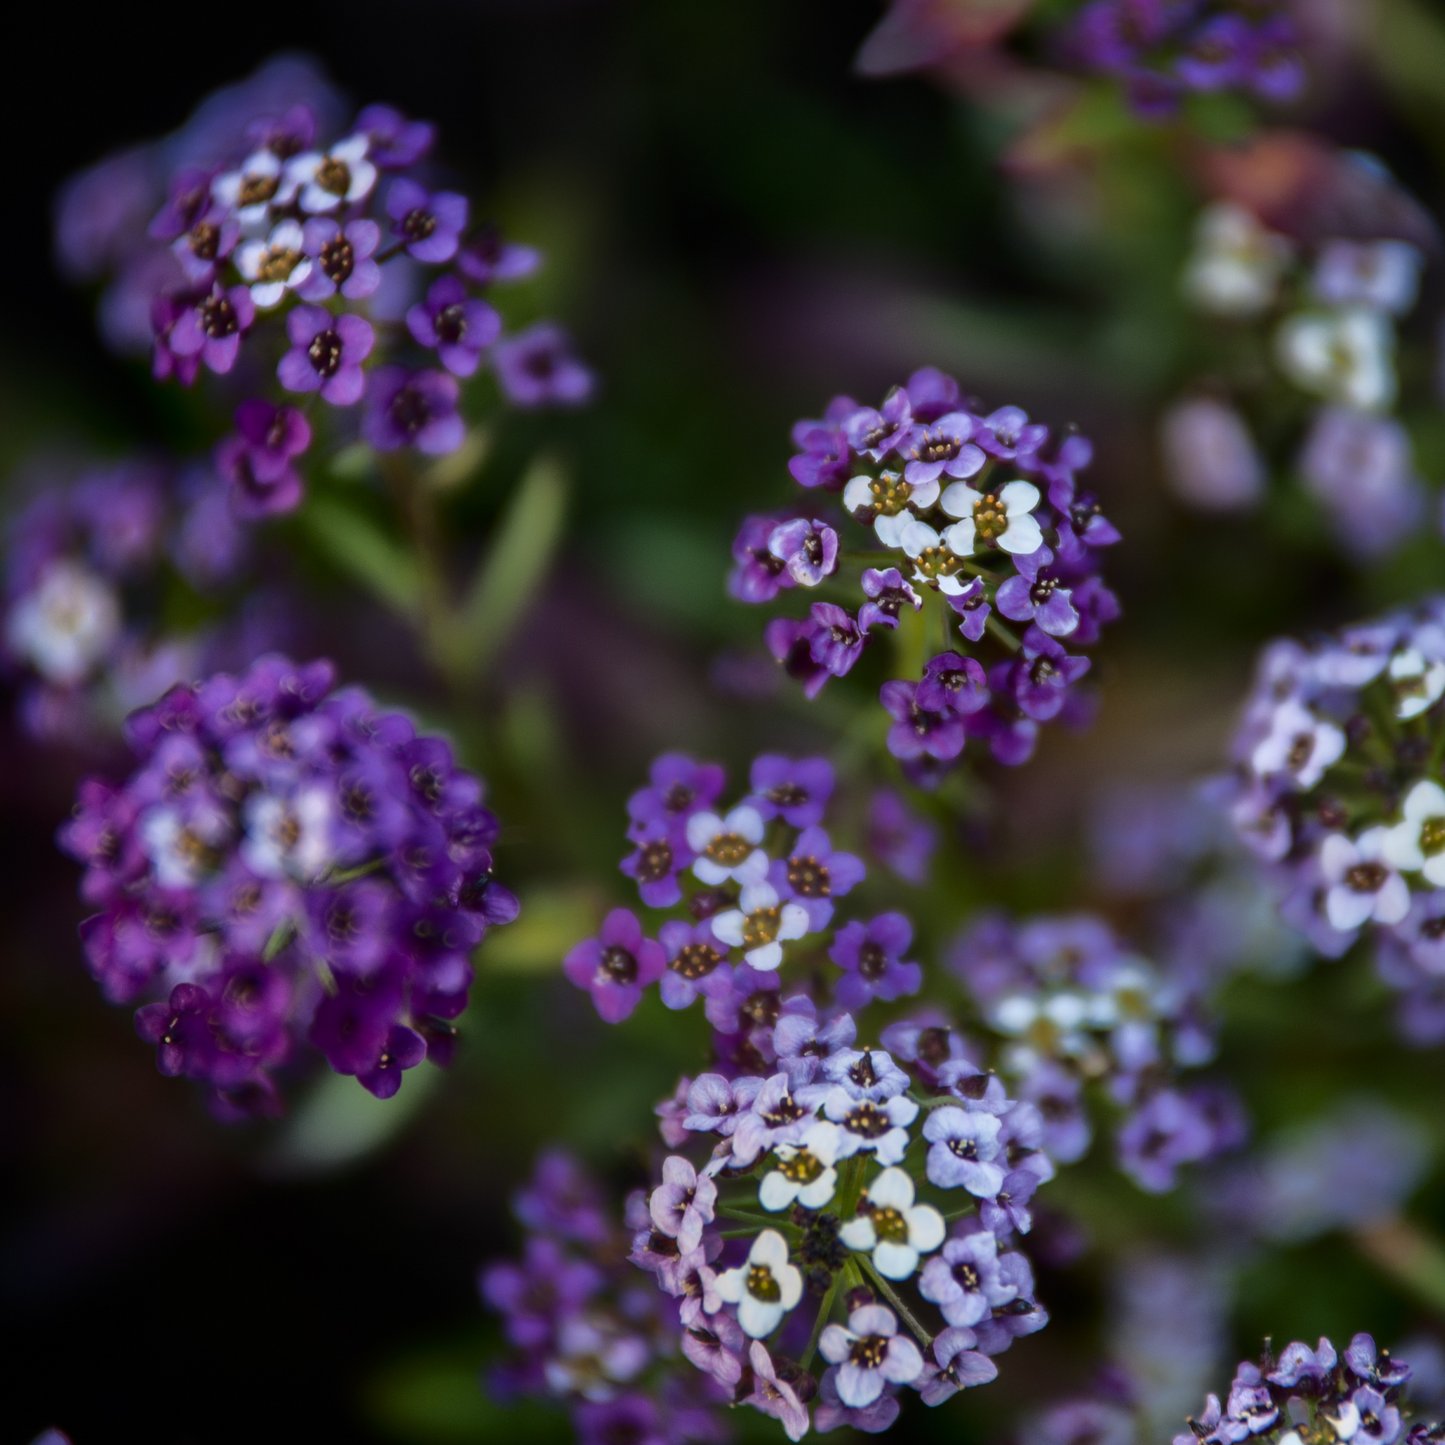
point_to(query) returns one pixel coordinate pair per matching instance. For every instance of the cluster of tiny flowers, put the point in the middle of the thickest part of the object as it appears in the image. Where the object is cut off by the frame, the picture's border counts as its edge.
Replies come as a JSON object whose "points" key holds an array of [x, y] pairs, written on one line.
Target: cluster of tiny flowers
{"points": [[1336, 341], [1073, 1007], [80, 566], [1338, 760], [286, 862], [1164, 49], [971, 545], [343, 268], [582, 1326], [1313, 1394]]}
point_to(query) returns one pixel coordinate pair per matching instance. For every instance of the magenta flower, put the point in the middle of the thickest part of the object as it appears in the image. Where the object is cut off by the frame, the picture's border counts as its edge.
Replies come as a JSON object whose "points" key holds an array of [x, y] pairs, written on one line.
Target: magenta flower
{"points": [[212, 327], [412, 408], [616, 966], [429, 224], [341, 259], [458, 326], [537, 367], [273, 434], [326, 354]]}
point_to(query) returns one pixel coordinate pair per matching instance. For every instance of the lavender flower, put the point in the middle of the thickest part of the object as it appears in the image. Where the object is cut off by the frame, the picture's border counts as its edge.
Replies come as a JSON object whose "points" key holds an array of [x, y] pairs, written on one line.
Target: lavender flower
{"points": [[537, 367], [412, 408], [869, 1353], [458, 327], [903, 842], [429, 225], [871, 957], [616, 966], [326, 355], [342, 259]]}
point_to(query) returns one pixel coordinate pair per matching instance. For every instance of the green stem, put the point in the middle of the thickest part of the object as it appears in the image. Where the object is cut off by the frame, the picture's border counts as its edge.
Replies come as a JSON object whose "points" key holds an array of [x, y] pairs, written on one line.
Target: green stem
{"points": [[999, 631], [888, 1293], [747, 1216], [825, 1307]]}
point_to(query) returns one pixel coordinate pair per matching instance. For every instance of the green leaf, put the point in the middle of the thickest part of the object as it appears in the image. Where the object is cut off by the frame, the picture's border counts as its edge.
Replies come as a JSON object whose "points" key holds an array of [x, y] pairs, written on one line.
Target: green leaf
{"points": [[514, 567], [357, 545]]}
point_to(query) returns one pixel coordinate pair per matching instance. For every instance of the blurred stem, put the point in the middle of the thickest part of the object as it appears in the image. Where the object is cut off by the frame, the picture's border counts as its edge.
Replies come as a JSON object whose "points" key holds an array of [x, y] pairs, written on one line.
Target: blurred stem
{"points": [[904, 1313], [417, 507], [1408, 1253], [1002, 633], [825, 1307]]}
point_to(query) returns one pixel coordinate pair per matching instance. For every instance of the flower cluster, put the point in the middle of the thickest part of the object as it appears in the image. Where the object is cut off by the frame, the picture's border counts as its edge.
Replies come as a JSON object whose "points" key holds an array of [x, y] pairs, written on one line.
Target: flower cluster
{"points": [[1337, 757], [77, 560], [1333, 337], [584, 1329], [1296, 1397], [286, 862], [337, 263], [1073, 1007], [1012, 562], [1161, 50]]}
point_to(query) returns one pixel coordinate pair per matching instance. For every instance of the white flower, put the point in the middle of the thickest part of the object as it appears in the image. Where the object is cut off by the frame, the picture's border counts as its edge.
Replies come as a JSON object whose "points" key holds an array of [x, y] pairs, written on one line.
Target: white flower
{"points": [[766, 1288], [274, 265], [1417, 683], [1003, 518], [66, 625], [728, 847], [1418, 842], [936, 561], [182, 850], [761, 925], [288, 836], [1298, 743], [1362, 885], [1371, 273], [248, 192], [805, 1171], [892, 1226], [1347, 356], [1236, 264], [881, 1128], [342, 175], [890, 498]]}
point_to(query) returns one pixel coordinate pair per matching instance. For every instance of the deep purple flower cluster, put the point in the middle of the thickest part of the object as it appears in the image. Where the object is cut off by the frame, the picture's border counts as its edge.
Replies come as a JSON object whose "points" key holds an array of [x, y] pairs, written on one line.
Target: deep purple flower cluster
{"points": [[1073, 1006], [76, 560], [1356, 1396], [583, 1329], [309, 252], [1335, 792], [1014, 563], [1163, 49], [286, 862]]}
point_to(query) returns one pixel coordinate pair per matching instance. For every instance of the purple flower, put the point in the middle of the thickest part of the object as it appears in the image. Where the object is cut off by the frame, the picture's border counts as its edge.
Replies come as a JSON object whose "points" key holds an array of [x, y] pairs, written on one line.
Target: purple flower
{"points": [[932, 394], [824, 456], [832, 1414], [661, 853], [1008, 1209], [942, 449], [1165, 1132], [458, 326], [412, 408], [326, 354], [791, 643], [973, 608], [342, 260], [205, 245], [487, 259], [916, 731], [714, 1343], [775, 1396], [696, 966], [870, 956], [211, 328], [429, 225], [682, 1204], [395, 141], [273, 435], [1216, 54], [809, 550], [1361, 468], [1035, 595], [952, 1364], [952, 684], [875, 433], [900, 840], [964, 1279], [538, 367], [837, 642], [802, 1043], [814, 875], [887, 594], [1058, 1095], [250, 495], [759, 575], [616, 966], [716, 1105], [561, 1199], [1298, 1362], [964, 1147], [1375, 1368], [678, 788], [869, 1353], [1040, 680], [795, 790]]}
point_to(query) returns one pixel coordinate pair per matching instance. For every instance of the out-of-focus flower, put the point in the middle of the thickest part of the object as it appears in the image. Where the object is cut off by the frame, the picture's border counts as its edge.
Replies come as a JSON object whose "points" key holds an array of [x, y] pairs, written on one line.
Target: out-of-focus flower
{"points": [[1346, 356], [1236, 263], [1210, 459]]}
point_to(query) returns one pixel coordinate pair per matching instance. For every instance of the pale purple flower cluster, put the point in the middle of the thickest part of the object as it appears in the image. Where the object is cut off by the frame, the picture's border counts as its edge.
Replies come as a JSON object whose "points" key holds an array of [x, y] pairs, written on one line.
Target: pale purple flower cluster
{"points": [[287, 862], [1334, 793], [1355, 1394], [581, 1328], [1164, 49], [976, 522], [1071, 1004], [284, 231]]}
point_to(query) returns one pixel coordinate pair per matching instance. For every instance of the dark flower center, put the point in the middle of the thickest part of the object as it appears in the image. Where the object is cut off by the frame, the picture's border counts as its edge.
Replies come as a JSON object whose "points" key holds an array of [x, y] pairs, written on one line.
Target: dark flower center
{"points": [[276, 432], [788, 795], [1042, 590], [1042, 672], [954, 679], [695, 960], [862, 1073], [1367, 877], [1433, 928], [205, 241], [762, 1285], [678, 797], [872, 961], [966, 1275], [358, 803], [964, 1148], [786, 1111], [1300, 751], [451, 323], [218, 317], [257, 190], [809, 878], [729, 849], [618, 964], [869, 1352], [654, 861], [410, 410], [417, 225], [334, 176], [763, 1007], [932, 1043], [277, 264], [867, 1120], [540, 365], [337, 259], [324, 354]]}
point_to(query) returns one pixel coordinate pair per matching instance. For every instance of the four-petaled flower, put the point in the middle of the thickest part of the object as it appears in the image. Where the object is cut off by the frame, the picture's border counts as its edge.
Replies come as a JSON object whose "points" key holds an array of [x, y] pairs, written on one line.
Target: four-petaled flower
{"points": [[805, 1174], [765, 1288], [616, 966], [869, 1353], [760, 925], [1002, 518], [890, 1225]]}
